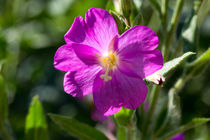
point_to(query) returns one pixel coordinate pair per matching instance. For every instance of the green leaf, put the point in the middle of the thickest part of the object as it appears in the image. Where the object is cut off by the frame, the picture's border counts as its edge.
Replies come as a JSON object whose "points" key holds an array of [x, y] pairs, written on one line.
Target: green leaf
{"points": [[203, 11], [173, 117], [174, 109], [124, 116], [205, 57], [194, 123], [199, 65], [78, 129], [170, 65], [3, 101], [36, 126]]}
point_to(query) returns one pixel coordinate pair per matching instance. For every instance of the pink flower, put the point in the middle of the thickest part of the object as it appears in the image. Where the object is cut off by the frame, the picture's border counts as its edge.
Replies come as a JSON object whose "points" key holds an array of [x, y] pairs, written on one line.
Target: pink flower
{"points": [[111, 67], [180, 136]]}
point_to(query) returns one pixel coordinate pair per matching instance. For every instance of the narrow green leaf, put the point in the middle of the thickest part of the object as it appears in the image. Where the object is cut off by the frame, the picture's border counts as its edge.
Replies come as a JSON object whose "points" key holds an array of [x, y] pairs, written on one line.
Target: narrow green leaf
{"points": [[205, 57], [203, 11], [170, 65], [36, 126], [3, 101], [173, 117], [194, 123], [78, 129], [174, 109], [199, 65]]}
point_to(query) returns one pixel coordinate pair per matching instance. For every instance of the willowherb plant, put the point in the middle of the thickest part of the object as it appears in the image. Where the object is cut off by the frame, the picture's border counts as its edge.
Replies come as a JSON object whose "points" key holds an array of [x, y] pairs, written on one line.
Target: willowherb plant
{"points": [[124, 56]]}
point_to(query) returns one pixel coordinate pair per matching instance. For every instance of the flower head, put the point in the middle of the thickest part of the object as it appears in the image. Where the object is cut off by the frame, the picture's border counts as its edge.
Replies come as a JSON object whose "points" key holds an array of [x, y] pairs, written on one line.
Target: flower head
{"points": [[99, 61], [180, 136]]}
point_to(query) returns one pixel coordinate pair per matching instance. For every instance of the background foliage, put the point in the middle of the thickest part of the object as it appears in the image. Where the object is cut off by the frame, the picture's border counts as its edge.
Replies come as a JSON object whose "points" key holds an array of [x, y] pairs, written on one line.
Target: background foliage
{"points": [[32, 30]]}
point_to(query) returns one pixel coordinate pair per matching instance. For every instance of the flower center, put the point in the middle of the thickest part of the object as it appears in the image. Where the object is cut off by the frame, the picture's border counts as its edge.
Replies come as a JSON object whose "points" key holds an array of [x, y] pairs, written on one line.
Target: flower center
{"points": [[108, 61]]}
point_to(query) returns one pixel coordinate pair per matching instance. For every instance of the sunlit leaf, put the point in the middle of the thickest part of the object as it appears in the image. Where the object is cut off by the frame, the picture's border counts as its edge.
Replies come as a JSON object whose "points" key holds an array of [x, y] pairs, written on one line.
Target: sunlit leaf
{"points": [[170, 65], [194, 123], [36, 126], [78, 129]]}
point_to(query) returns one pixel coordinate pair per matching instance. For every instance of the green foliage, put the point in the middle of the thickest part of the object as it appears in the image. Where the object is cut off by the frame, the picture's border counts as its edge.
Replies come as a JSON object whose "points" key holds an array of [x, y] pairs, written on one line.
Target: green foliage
{"points": [[203, 11], [194, 123], [173, 116], [3, 101], [78, 129], [36, 126], [200, 64], [172, 64]]}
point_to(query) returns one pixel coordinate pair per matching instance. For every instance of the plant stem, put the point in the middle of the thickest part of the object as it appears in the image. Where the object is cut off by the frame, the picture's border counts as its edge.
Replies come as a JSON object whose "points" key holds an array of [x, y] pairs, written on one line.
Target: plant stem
{"points": [[156, 5], [164, 18], [6, 135], [175, 89], [155, 94], [173, 25]]}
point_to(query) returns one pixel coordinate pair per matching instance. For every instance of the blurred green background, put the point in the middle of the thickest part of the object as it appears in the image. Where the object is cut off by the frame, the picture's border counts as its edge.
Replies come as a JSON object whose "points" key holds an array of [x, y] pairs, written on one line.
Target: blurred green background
{"points": [[30, 33]]}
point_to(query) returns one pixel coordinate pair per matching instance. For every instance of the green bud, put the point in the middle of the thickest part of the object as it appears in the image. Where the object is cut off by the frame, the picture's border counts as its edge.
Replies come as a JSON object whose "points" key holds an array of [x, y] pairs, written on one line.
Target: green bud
{"points": [[125, 116]]}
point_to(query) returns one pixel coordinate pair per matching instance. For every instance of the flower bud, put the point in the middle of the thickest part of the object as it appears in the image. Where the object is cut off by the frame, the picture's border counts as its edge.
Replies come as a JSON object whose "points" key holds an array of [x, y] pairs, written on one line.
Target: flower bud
{"points": [[156, 78]]}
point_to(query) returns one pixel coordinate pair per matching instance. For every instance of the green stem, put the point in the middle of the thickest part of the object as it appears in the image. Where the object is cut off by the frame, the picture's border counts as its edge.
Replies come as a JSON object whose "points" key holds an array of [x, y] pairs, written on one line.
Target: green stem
{"points": [[130, 132], [173, 25], [156, 5], [5, 134], [175, 89], [178, 50], [121, 133], [164, 21], [164, 18], [155, 94]]}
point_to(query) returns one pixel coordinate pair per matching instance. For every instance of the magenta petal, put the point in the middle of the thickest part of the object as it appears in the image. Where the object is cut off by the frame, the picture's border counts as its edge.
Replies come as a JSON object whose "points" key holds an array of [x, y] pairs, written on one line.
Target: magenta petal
{"points": [[102, 25], [141, 36], [65, 59], [76, 34], [79, 83], [87, 54], [97, 31], [122, 90], [133, 61]]}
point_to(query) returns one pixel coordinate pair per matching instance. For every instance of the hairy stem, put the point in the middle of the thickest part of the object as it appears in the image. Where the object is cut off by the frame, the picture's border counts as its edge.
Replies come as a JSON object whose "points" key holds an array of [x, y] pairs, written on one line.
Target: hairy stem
{"points": [[173, 25], [155, 94]]}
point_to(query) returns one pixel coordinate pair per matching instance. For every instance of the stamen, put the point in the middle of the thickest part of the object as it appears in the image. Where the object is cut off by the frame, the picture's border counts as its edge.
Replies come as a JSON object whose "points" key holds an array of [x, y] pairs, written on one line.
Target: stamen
{"points": [[105, 76], [108, 62]]}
